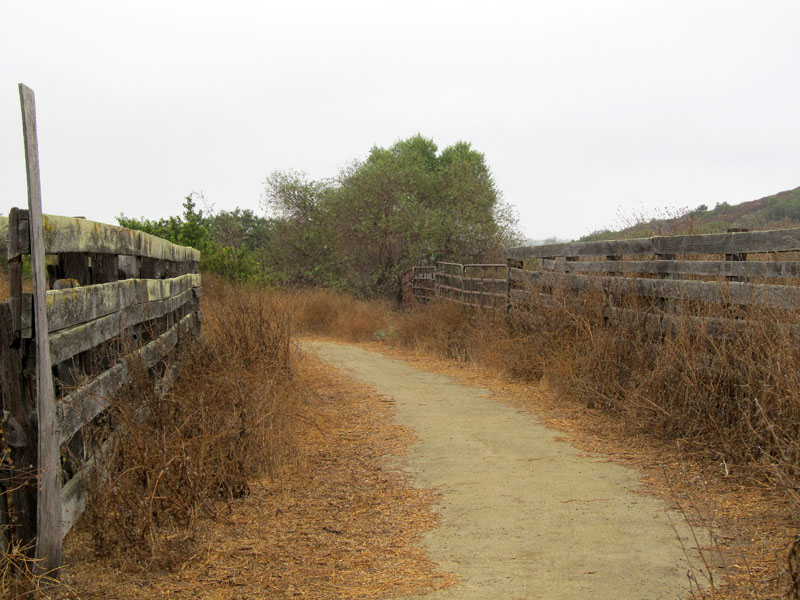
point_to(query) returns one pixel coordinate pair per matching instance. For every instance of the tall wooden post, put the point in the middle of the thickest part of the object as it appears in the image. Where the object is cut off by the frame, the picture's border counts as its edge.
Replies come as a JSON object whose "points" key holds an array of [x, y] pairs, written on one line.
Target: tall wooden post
{"points": [[735, 257], [48, 514], [463, 296]]}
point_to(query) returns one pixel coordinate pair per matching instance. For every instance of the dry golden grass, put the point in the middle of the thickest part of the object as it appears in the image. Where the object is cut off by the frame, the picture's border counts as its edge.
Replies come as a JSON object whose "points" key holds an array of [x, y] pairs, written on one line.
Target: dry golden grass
{"points": [[335, 314], [344, 524], [229, 417]]}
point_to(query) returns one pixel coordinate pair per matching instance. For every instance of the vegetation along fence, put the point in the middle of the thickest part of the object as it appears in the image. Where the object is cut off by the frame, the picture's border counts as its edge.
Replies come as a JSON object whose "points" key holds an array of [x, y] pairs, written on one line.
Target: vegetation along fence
{"points": [[668, 274], [118, 300]]}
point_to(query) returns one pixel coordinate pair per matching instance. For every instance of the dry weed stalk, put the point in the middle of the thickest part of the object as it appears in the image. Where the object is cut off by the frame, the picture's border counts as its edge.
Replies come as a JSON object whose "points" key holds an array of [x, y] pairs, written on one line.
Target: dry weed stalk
{"points": [[164, 459], [336, 314]]}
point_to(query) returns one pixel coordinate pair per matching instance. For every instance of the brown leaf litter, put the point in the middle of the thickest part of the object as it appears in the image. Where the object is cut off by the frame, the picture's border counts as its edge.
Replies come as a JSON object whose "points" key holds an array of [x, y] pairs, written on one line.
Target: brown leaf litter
{"points": [[344, 524]]}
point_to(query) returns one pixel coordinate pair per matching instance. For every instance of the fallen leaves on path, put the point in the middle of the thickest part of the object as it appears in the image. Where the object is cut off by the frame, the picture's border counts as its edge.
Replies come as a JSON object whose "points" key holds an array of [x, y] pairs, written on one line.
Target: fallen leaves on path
{"points": [[343, 525]]}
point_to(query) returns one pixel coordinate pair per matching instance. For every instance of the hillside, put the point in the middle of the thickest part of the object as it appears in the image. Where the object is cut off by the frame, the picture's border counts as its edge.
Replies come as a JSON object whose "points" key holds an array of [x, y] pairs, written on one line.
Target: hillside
{"points": [[778, 211]]}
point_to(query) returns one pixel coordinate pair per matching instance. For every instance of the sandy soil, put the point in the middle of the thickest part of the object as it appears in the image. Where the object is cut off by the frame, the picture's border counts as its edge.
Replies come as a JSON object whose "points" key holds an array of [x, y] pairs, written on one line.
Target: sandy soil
{"points": [[523, 515]]}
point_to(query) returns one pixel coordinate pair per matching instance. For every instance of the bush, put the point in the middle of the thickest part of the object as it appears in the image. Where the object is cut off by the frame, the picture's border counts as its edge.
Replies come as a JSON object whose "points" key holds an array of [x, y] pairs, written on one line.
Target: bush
{"points": [[227, 418]]}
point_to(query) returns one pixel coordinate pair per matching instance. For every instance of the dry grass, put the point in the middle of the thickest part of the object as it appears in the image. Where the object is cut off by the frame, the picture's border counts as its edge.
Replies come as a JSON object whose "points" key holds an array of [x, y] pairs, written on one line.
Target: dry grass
{"points": [[342, 525], [164, 460], [336, 314]]}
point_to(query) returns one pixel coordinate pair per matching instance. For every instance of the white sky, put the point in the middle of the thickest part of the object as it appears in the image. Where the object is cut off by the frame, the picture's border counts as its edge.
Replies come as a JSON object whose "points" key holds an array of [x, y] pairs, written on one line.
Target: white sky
{"points": [[583, 108]]}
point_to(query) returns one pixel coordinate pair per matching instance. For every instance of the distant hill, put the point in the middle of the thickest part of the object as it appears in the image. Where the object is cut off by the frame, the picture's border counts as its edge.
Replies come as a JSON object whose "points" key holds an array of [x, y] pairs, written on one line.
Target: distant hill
{"points": [[772, 212], [544, 242]]}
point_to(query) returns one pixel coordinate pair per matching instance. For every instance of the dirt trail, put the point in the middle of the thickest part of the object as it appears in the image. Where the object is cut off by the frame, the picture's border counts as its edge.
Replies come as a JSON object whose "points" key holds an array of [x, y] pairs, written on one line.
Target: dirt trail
{"points": [[522, 514]]}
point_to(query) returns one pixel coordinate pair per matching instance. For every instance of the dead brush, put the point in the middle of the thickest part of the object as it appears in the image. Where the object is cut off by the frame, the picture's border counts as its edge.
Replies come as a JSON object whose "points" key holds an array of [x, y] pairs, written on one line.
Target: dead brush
{"points": [[440, 328], [335, 314], [164, 460], [19, 577]]}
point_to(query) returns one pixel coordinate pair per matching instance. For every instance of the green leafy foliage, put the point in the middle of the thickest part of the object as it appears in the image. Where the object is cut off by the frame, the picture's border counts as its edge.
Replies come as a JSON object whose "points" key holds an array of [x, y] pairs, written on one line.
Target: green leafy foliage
{"points": [[227, 240], [402, 206]]}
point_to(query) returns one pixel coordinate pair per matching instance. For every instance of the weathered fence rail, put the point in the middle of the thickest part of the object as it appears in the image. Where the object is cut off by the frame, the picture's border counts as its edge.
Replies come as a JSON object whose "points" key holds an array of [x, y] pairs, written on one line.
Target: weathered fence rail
{"points": [[732, 269], [105, 301], [735, 269], [476, 285]]}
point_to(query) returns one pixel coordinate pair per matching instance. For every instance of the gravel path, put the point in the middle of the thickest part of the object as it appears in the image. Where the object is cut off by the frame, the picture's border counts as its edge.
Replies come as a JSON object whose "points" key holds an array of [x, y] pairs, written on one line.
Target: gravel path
{"points": [[522, 515]]}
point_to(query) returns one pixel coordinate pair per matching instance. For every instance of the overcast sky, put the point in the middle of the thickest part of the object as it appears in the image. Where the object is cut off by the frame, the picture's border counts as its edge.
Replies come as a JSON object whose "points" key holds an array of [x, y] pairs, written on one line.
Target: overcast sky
{"points": [[585, 109]]}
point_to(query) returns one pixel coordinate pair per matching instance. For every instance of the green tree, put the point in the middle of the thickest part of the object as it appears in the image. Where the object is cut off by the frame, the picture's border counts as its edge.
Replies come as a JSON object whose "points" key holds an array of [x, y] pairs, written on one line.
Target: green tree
{"points": [[229, 241], [402, 205], [189, 230], [301, 249]]}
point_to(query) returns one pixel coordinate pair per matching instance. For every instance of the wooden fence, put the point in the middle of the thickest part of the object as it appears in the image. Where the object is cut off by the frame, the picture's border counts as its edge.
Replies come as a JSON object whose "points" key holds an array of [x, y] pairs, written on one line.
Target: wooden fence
{"points": [[135, 297], [668, 274], [103, 301], [733, 270], [476, 285]]}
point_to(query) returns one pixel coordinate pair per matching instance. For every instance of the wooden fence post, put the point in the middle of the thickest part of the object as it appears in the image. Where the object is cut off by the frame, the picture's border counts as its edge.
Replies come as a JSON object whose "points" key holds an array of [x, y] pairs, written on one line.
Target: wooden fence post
{"points": [[736, 256], [664, 304], [511, 263], [48, 513], [463, 296]]}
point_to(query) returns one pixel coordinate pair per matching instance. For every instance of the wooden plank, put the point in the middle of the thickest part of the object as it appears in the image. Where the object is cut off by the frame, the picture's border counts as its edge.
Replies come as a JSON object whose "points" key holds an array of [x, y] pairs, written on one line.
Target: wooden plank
{"points": [[66, 343], [515, 274], [521, 296], [671, 324], [85, 403], [774, 296], [19, 241], [128, 266], [488, 294], [15, 271], [779, 240], [73, 496], [601, 248], [74, 492], [766, 295], [73, 306], [70, 234], [48, 516], [765, 269]]}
